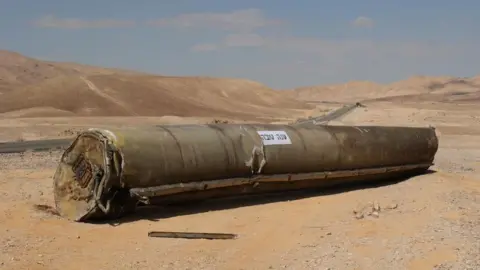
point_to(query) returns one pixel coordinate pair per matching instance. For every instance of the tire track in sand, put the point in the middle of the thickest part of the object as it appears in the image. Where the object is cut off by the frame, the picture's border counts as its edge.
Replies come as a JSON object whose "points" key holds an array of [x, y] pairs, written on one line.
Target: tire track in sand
{"points": [[97, 91]]}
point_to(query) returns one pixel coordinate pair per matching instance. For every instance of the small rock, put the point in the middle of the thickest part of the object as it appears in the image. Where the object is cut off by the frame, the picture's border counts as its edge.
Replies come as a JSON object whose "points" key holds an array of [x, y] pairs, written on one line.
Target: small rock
{"points": [[368, 211], [393, 206], [375, 214], [376, 206], [359, 215]]}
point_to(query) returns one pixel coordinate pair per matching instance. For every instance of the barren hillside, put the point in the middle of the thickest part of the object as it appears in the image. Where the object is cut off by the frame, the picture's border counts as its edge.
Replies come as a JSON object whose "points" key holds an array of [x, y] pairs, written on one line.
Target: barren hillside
{"points": [[32, 88], [457, 90], [351, 91], [19, 70], [444, 89]]}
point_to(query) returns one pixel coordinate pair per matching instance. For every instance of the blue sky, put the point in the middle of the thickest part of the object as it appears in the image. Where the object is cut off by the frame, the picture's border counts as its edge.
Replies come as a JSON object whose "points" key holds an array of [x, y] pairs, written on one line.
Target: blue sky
{"points": [[280, 43]]}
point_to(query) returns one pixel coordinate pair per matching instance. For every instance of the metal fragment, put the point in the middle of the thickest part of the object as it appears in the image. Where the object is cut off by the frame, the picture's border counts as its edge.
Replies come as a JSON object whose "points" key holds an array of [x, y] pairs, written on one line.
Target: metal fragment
{"points": [[192, 235]]}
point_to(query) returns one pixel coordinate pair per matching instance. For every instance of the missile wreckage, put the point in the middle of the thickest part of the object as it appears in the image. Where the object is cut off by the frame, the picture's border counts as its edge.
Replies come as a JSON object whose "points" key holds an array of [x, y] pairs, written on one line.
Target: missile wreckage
{"points": [[106, 174]]}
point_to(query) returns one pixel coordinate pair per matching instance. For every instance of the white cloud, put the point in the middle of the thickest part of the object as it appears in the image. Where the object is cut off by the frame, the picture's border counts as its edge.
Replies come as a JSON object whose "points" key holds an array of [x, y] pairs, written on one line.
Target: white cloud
{"points": [[331, 57], [238, 20], [232, 40], [205, 47], [70, 23], [333, 47], [244, 40], [363, 22]]}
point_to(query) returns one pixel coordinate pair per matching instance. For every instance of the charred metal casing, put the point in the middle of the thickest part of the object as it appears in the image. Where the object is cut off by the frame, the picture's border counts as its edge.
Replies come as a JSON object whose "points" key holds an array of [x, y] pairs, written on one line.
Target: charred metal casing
{"points": [[105, 173]]}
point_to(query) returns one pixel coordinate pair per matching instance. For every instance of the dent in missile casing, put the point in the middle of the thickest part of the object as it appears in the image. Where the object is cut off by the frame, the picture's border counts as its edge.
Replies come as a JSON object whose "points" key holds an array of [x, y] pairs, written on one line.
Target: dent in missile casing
{"points": [[105, 173]]}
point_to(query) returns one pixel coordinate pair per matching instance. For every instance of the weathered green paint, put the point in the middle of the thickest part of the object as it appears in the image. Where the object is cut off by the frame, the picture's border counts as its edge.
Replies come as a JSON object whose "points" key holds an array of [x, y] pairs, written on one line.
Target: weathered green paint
{"points": [[175, 163]]}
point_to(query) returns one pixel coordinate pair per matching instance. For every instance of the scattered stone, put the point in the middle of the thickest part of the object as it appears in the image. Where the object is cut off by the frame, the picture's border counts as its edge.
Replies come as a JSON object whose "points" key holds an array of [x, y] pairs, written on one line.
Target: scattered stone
{"points": [[376, 206], [367, 211], [219, 121], [372, 209], [359, 215], [71, 132], [392, 206], [47, 209]]}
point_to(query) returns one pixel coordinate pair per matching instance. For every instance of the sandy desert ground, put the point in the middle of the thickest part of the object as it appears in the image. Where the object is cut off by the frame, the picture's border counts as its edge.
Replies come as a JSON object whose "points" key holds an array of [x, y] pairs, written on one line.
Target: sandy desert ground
{"points": [[430, 221]]}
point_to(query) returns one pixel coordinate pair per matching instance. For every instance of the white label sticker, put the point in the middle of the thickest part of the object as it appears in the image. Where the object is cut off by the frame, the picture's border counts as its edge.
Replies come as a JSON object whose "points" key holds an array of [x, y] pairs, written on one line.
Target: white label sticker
{"points": [[274, 137]]}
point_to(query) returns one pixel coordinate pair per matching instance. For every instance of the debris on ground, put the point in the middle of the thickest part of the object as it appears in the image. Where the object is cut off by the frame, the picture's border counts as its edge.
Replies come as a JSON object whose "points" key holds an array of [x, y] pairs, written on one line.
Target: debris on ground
{"points": [[192, 235], [70, 132], [219, 121], [372, 209]]}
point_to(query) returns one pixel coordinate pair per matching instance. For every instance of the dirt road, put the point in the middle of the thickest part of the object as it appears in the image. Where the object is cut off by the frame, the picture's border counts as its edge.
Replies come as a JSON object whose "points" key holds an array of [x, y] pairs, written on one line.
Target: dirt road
{"points": [[36, 145], [428, 222]]}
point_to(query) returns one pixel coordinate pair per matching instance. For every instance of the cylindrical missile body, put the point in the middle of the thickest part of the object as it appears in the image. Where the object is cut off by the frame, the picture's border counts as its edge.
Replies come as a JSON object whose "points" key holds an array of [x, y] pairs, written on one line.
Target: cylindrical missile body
{"points": [[104, 173]]}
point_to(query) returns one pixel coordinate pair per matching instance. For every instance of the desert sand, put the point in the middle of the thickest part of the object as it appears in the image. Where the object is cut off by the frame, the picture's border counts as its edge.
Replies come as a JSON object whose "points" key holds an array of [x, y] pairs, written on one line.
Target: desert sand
{"points": [[430, 221]]}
